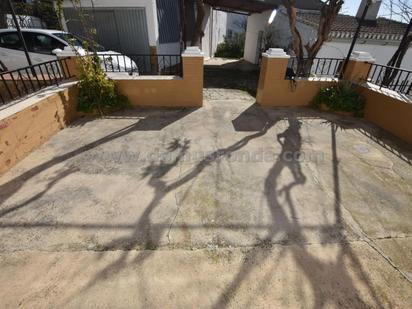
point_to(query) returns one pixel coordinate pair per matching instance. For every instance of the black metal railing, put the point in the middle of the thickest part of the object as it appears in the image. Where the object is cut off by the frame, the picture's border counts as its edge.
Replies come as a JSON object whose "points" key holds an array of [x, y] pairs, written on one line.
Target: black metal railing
{"points": [[318, 67], [391, 78], [3, 68], [20, 83], [143, 64]]}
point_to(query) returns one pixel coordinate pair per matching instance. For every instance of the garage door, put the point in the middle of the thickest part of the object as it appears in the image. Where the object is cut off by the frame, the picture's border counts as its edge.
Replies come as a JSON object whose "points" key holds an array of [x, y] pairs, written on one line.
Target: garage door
{"points": [[120, 29]]}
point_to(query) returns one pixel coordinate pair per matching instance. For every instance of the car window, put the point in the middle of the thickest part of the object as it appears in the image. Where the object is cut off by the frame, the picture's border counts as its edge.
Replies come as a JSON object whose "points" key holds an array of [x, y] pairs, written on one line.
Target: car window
{"points": [[10, 40], [41, 43], [79, 41], [69, 38]]}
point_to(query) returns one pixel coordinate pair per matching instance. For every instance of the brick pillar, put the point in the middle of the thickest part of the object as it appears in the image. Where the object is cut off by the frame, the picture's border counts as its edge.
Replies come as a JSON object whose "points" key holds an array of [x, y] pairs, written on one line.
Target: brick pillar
{"points": [[273, 69], [358, 67], [192, 65]]}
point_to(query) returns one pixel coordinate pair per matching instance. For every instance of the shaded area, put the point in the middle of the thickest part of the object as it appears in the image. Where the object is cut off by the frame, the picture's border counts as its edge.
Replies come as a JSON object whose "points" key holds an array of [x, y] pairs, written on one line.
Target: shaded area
{"points": [[331, 281], [334, 275], [229, 74], [148, 120]]}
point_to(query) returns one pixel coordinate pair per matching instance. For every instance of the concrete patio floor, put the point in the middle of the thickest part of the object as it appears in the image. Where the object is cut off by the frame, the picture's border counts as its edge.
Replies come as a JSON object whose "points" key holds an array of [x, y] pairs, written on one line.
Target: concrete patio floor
{"points": [[230, 205]]}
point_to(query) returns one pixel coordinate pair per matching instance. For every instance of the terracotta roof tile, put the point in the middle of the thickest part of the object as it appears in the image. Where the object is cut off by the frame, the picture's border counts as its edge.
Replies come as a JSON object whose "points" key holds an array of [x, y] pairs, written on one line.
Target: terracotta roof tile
{"points": [[345, 27]]}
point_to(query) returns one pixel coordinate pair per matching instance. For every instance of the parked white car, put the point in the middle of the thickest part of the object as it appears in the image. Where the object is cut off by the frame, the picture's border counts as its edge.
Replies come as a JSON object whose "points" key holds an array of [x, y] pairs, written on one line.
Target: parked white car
{"points": [[45, 44]]}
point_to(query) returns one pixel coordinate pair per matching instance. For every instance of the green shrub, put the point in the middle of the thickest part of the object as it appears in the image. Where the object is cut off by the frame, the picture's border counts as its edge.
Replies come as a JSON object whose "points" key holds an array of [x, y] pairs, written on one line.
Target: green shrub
{"points": [[97, 93], [232, 47], [340, 97]]}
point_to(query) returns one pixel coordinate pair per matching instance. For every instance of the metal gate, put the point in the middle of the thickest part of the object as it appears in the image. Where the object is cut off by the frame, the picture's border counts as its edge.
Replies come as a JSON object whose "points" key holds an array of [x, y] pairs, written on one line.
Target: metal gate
{"points": [[119, 29]]}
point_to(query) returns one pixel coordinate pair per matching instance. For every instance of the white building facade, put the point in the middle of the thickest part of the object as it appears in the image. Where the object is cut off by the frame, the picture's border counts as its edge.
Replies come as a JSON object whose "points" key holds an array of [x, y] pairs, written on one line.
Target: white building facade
{"points": [[379, 36], [145, 26]]}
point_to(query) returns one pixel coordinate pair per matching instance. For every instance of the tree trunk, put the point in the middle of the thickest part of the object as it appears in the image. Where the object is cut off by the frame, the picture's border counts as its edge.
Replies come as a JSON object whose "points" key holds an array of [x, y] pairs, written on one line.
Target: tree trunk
{"points": [[396, 61], [198, 31], [328, 15], [183, 25]]}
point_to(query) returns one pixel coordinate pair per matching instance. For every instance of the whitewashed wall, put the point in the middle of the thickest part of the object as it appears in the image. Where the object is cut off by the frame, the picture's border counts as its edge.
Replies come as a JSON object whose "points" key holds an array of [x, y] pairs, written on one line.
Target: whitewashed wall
{"points": [[215, 30], [255, 24], [382, 53], [281, 37]]}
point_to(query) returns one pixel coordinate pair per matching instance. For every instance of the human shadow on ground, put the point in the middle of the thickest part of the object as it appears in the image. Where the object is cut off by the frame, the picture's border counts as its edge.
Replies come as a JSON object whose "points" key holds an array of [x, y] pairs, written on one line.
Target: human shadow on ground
{"points": [[329, 281]]}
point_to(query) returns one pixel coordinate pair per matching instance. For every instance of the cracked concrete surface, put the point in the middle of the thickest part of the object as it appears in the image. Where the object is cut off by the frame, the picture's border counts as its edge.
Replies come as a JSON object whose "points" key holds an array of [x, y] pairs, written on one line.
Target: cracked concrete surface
{"points": [[230, 205]]}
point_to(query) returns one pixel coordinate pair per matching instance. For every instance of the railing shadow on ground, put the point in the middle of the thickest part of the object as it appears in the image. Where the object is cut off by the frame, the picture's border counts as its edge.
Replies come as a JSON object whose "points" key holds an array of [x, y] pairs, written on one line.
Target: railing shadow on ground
{"points": [[334, 274], [383, 138], [145, 120]]}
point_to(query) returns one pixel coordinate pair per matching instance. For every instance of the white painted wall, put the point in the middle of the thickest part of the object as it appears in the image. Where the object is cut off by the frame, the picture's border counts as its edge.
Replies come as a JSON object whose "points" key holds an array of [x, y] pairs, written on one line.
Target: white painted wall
{"points": [[382, 53], [281, 37], [215, 24], [255, 24], [215, 28]]}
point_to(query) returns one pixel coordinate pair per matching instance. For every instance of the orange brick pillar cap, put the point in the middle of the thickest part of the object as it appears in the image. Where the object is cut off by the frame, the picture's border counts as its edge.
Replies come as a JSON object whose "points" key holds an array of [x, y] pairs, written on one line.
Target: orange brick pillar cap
{"points": [[275, 53], [361, 56], [193, 51]]}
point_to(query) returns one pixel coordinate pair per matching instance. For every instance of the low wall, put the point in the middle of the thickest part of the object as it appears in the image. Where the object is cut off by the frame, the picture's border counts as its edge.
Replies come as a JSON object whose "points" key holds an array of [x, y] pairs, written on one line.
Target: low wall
{"points": [[28, 124], [164, 91], [288, 93], [160, 91], [385, 108], [389, 110], [274, 90]]}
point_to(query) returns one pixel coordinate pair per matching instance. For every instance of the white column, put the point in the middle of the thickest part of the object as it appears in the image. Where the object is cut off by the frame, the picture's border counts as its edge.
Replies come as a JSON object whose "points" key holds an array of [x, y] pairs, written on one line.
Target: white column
{"points": [[255, 24]]}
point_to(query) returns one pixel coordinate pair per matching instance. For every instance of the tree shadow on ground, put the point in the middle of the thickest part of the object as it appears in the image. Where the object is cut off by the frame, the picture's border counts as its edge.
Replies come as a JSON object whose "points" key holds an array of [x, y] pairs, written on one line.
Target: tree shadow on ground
{"points": [[154, 171], [153, 119], [330, 281]]}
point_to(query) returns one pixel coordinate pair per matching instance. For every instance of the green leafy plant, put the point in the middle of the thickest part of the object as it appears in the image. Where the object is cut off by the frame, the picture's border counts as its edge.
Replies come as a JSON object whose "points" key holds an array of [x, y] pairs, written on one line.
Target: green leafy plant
{"points": [[341, 97], [232, 47], [97, 93]]}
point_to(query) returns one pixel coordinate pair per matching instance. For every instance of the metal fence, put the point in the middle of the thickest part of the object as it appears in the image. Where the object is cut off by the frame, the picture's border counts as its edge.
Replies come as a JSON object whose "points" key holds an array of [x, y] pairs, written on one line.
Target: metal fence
{"points": [[20, 83], [143, 64], [391, 78], [318, 67]]}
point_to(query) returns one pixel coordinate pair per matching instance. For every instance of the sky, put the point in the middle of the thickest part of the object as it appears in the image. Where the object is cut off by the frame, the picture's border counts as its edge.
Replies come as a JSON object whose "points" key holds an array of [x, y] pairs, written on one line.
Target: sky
{"points": [[351, 8]]}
